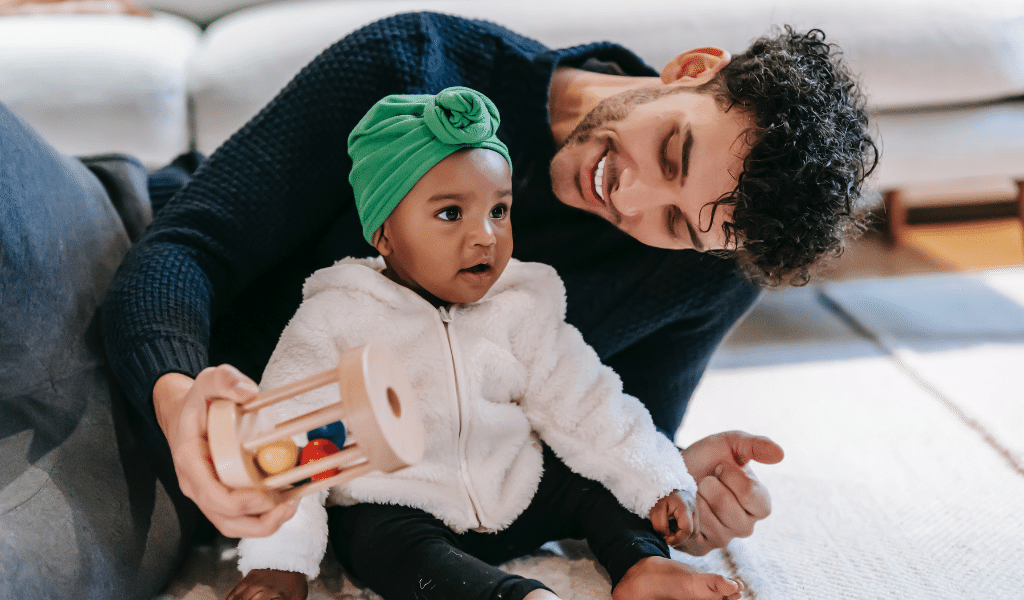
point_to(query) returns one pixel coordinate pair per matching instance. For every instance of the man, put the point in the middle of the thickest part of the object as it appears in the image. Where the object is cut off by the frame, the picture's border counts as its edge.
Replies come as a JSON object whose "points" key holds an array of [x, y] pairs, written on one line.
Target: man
{"points": [[760, 157]]}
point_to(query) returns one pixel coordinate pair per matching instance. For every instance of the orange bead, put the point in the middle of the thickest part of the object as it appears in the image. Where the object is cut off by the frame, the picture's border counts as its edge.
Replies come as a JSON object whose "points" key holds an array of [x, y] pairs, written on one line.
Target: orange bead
{"points": [[277, 457]]}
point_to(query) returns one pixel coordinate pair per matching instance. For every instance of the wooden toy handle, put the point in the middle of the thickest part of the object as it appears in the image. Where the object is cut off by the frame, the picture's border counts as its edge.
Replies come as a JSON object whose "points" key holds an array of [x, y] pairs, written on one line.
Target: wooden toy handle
{"points": [[293, 389]]}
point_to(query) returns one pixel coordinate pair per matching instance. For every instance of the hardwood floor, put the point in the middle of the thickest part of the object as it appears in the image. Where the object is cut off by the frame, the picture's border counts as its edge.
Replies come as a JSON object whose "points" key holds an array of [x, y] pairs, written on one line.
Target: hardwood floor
{"points": [[932, 248], [969, 246]]}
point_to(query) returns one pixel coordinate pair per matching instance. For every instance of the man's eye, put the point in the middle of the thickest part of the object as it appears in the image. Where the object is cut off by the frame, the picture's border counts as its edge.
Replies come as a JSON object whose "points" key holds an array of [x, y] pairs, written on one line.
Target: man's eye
{"points": [[673, 220], [499, 211], [452, 213], [667, 165]]}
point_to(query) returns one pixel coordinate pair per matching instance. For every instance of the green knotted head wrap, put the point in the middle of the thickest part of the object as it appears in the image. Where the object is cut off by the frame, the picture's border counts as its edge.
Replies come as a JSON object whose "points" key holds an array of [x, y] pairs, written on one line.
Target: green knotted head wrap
{"points": [[403, 136]]}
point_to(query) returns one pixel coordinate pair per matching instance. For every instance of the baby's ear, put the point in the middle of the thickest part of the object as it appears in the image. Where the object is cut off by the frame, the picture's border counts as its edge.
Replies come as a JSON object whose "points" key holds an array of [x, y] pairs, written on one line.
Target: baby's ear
{"points": [[381, 242]]}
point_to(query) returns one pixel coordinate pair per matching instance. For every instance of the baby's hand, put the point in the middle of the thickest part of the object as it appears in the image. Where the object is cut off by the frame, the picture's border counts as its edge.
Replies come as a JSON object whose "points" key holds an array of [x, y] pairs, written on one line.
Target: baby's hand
{"points": [[270, 584], [675, 518]]}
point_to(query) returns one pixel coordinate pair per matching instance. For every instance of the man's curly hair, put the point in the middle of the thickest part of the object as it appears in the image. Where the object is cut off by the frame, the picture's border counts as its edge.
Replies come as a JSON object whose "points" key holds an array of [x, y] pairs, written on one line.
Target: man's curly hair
{"points": [[797, 200]]}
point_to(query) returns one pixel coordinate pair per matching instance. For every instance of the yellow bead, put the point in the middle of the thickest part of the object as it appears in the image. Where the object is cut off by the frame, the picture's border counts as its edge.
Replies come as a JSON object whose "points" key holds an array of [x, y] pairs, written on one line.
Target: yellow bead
{"points": [[277, 457]]}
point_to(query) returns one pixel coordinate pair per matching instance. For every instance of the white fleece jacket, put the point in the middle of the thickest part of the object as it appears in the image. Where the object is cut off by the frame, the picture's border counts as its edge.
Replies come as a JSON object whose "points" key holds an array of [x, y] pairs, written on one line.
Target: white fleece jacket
{"points": [[491, 378]]}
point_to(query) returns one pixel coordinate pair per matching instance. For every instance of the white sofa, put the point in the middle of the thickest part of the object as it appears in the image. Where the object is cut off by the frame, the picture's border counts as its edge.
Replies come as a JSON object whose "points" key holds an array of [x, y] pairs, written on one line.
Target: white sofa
{"points": [[945, 78]]}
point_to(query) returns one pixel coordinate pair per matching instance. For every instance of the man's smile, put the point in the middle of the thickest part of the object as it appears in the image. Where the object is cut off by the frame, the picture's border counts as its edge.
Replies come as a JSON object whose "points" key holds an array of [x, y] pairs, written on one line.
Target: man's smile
{"points": [[599, 177]]}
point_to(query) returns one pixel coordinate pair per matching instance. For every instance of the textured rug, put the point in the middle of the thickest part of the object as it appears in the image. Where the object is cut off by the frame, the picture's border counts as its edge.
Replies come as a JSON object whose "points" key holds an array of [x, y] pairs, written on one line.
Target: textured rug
{"points": [[959, 336], [903, 430]]}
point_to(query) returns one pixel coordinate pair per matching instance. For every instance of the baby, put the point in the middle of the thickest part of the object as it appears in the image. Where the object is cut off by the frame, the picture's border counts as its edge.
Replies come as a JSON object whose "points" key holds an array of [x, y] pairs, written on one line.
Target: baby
{"points": [[528, 437]]}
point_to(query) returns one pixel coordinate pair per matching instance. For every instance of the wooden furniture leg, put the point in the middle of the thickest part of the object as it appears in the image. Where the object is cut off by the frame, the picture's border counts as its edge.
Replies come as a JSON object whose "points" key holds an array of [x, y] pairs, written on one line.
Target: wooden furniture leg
{"points": [[1020, 204], [896, 216]]}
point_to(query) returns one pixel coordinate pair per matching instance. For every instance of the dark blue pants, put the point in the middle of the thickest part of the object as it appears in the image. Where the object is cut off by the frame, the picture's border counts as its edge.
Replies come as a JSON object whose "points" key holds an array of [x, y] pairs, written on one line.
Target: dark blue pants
{"points": [[87, 510], [404, 553]]}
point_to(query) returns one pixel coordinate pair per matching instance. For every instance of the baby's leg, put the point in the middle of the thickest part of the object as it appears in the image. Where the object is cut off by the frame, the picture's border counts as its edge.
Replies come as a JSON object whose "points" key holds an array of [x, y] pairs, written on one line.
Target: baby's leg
{"points": [[269, 583], [402, 552]]}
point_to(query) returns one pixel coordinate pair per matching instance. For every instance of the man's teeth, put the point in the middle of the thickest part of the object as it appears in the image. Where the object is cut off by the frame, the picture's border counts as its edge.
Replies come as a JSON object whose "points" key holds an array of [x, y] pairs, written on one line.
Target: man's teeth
{"points": [[599, 177]]}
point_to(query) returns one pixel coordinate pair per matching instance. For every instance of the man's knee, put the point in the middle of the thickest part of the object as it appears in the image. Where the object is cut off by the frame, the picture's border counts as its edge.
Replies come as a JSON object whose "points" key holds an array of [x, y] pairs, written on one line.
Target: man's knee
{"points": [[81, 514], [88, 517]]}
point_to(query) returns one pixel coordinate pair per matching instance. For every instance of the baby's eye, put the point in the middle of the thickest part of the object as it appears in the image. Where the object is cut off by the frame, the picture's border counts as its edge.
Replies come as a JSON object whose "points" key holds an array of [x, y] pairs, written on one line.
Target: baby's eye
{"points": [[499, 211], [451, 213]]}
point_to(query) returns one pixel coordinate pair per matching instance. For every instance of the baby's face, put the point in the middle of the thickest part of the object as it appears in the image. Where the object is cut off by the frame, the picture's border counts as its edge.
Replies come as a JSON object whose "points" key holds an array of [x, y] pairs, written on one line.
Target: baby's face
{"points": [[450, 238]]}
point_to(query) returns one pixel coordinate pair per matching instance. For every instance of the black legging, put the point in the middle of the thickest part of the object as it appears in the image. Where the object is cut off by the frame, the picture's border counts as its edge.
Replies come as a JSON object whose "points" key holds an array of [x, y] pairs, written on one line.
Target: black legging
{"points": [[405, 553]]}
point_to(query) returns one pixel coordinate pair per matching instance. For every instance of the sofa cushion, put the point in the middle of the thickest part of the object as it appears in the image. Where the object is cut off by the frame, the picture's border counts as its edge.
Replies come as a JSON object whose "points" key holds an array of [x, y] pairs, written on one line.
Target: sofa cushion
{"points": [[94, 84], [982, 142], [203, 11]]}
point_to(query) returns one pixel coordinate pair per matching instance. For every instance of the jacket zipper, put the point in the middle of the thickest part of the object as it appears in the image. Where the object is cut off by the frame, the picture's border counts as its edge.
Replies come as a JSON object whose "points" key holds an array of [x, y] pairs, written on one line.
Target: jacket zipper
{"points": [[474, 504]]}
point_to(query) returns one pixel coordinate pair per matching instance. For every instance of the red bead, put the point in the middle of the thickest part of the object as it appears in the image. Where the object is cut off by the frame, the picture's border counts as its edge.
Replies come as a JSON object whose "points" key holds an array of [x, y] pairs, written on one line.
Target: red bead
{"points": [[315, 450]]}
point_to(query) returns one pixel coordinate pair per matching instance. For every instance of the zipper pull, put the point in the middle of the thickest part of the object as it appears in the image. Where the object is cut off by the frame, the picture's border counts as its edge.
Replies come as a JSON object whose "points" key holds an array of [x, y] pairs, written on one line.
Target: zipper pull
{"points": [[445, 313]]}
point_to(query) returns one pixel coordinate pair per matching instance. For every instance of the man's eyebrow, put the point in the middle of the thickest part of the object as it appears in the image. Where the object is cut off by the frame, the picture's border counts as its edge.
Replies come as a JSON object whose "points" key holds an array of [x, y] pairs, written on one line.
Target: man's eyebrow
{"points": [[684, 162]]}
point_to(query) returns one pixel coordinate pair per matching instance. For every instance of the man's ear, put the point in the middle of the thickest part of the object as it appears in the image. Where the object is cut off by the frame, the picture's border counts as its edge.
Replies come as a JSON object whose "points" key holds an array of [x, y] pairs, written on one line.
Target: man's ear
{"points": [[381, 241], [696, 66]]}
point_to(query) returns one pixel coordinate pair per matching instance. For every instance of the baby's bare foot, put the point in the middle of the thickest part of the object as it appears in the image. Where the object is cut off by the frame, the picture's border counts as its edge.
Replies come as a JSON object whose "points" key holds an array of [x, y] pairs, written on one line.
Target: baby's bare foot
{"points": [[268, 584], [659, 578]]}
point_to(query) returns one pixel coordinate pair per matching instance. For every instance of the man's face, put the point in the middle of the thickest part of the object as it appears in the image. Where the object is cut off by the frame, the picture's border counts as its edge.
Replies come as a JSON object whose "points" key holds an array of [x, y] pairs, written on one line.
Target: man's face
{"points": [[450, 238], [650, 161]]}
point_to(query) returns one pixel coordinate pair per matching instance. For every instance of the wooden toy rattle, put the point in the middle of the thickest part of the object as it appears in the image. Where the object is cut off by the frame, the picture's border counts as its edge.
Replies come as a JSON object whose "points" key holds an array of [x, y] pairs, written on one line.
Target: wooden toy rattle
{"points": [[376, 419]]}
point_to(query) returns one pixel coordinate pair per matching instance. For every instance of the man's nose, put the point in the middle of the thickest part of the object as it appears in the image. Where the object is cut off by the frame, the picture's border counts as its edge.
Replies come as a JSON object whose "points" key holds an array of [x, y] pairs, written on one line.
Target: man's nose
{"points": [[633, 195]]}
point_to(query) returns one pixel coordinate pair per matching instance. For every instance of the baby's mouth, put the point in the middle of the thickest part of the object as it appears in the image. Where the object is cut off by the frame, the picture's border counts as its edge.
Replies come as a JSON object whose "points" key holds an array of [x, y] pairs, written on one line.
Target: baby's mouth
{"points": [[480, 268]]}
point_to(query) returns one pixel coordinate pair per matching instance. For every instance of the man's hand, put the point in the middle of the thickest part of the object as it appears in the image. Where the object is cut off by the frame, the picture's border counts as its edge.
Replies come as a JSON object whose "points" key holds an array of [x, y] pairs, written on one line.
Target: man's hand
{"points": [[675, 518], [730, 499], [181, 406]]}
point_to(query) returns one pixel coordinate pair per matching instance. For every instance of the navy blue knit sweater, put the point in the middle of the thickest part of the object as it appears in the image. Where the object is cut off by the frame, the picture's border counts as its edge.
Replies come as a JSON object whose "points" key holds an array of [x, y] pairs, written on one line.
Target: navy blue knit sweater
{"points": [[220, 271]]}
